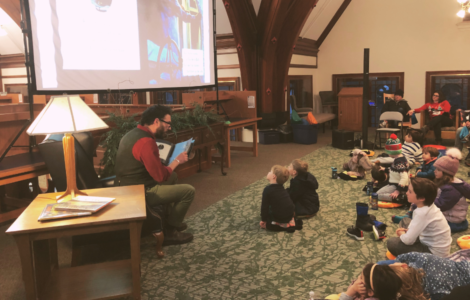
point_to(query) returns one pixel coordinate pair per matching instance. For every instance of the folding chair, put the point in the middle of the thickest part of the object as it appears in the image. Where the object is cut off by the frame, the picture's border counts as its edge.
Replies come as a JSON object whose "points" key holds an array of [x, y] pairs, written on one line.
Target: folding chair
{"points": [[389, 116]]}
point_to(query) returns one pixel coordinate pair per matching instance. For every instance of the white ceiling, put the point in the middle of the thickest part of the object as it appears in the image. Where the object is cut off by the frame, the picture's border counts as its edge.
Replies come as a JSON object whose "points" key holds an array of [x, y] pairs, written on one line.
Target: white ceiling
{"points": [[12, 43], [316, 23]]}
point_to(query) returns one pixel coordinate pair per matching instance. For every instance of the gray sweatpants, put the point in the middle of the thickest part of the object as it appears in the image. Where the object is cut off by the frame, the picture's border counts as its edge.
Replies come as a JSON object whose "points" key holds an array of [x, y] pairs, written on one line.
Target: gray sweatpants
{"points": [[384, 193], [397, 247]]}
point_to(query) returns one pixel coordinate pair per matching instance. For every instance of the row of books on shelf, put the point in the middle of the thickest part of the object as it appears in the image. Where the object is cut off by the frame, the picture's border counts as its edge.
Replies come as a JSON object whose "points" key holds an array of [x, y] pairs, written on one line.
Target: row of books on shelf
{"points": [[77, 207]]}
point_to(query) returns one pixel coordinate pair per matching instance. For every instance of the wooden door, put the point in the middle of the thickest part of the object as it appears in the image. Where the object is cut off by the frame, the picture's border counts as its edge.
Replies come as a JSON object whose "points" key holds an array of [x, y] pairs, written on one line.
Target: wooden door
{"points": [[350, 109]]}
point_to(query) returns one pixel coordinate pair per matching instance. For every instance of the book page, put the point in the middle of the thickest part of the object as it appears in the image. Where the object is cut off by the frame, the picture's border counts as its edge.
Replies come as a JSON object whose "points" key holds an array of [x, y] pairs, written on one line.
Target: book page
{"points": [[180, 148], [164, 149]]}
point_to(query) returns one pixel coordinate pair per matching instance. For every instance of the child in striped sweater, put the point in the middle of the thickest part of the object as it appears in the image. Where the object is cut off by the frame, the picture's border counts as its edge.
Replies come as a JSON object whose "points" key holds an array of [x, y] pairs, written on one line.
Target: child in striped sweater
{"points": [[411, 149]]}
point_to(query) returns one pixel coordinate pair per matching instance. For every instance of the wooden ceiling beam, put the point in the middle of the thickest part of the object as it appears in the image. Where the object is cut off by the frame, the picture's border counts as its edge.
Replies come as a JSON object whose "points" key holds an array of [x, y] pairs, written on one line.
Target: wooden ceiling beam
{"points": [[12, 61], [332, 23], [13, 9]]}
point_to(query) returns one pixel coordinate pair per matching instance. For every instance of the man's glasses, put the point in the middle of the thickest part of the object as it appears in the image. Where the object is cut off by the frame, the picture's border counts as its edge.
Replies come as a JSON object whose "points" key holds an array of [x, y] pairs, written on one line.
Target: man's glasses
{"points": [[435, 95], [169, 123]]}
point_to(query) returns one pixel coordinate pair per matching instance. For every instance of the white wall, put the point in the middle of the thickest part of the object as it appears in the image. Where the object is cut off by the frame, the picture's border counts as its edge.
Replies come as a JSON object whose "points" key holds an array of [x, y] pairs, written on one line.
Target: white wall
{"points": [[403, 36]]}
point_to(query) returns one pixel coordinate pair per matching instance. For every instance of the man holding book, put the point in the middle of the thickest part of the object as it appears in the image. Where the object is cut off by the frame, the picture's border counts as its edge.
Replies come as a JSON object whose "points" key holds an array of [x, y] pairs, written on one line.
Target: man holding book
{"points": [[138, 162]]}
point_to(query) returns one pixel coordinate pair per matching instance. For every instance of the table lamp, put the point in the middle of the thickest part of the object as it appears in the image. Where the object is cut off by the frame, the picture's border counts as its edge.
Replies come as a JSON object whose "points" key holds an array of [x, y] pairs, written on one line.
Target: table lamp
{"points": [[67, 114]]}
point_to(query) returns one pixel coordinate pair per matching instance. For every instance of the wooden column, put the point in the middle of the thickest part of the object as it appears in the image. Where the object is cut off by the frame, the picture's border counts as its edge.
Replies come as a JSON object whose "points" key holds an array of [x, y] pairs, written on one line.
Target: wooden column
{"points": [[265, 47]]}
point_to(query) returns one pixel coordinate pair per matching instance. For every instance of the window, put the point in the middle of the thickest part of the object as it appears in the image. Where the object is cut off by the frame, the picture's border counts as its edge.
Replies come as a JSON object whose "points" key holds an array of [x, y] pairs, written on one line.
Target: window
{"points": [[454, 85], [301, 87]]}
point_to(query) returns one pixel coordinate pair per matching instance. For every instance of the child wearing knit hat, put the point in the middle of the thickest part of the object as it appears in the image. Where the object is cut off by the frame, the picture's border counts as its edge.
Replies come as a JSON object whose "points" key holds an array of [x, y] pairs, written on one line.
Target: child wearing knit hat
{"points": [[398, 175], [452, 193]]}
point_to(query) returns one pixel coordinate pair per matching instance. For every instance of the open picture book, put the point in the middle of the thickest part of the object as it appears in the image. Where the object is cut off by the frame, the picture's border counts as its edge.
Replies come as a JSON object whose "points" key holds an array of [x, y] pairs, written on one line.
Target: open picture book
{"points": [[169, 151], [76, 207]]}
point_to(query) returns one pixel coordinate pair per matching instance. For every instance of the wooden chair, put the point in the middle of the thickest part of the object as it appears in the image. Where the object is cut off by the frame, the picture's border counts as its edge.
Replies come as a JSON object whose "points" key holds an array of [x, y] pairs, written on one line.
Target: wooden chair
{"points": [[448, 133], [390, 97]]}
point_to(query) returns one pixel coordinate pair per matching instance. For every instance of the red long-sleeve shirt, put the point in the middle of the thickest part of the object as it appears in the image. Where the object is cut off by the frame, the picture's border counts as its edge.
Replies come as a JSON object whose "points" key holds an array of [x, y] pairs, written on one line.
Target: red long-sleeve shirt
{"points": [[146, 151], [435, 109]]}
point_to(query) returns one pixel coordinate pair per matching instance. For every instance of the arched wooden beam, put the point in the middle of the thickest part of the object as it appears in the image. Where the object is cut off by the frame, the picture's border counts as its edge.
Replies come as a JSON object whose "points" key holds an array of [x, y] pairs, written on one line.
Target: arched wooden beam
{"points": [[242, 17], [13, 9], [280, 23]]}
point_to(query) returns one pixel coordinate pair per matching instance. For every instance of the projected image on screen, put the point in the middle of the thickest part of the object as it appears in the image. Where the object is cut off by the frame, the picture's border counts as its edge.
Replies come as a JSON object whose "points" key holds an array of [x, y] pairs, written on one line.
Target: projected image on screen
{"points": [[122, 44]]}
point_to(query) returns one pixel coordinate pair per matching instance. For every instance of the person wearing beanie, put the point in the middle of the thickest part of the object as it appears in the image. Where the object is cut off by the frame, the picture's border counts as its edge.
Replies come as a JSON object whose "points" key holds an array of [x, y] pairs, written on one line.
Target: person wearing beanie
{"points": [[439, 114], [400, 105], [452, 193], [398, 174]]}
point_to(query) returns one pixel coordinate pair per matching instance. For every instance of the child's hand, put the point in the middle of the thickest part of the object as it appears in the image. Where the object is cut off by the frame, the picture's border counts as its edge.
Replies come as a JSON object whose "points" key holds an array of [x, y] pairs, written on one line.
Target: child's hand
{"points": [[401, 231], [417, 163], [356, 288], [262, 225], [395, 194]]}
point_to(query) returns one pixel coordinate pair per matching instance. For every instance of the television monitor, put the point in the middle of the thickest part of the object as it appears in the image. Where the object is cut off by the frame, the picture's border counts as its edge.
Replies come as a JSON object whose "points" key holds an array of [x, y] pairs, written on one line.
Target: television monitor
{"points": [[99, 45]]}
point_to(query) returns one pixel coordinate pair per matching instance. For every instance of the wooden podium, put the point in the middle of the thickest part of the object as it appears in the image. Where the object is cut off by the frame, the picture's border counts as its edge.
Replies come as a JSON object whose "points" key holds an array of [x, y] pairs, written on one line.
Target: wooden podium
{"points": [[350, 109]]}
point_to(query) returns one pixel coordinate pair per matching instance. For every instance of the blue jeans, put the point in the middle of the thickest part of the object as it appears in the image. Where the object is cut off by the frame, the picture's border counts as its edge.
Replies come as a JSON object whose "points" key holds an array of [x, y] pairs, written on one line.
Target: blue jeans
{"points": [[458, 227], [386, 262]]}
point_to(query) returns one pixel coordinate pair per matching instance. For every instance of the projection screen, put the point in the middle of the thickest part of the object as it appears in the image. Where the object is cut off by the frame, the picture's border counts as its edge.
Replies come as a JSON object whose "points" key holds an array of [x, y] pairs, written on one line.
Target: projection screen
{"points": [[121, 44]]}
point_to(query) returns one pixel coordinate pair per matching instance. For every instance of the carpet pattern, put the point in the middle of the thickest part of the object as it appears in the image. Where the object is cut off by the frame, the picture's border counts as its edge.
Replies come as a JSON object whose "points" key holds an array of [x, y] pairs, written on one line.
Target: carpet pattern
{"points": [[232, 258]]}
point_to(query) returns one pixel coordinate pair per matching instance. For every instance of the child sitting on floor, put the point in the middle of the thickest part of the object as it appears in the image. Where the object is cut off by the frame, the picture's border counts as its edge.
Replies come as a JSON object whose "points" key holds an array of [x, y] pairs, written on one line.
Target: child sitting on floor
{"points": [[411, 149], [356, 167], [303, 189], [277, 209], [398, 174], [452, 193], [430, 155], [380, 176], [376, 282], [428, 231]]}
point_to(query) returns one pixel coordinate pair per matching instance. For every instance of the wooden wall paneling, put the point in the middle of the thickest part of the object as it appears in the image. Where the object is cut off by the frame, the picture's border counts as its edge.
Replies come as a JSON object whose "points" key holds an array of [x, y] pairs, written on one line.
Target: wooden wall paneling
{"points": [[1, 82], [14, 98], [12, 61], [12, 119]]}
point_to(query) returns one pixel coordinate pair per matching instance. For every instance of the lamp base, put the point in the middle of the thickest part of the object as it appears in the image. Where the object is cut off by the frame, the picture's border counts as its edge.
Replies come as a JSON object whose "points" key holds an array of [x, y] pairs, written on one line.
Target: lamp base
{"points": [[68, 195], [69, 156]]}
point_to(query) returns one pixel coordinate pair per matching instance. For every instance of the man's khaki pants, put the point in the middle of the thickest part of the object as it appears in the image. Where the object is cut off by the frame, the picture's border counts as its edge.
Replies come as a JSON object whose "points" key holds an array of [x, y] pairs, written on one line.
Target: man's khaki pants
{"points": [[178, 196]]}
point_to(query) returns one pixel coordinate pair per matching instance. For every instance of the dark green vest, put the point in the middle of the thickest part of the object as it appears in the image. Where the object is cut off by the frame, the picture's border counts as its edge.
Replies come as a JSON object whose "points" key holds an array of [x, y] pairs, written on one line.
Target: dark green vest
{"points": [[130, 171]]}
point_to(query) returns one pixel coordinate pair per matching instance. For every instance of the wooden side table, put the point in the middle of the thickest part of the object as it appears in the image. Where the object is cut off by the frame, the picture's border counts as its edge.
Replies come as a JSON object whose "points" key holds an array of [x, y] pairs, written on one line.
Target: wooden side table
{"points": [[37, 245], [241, 124]]}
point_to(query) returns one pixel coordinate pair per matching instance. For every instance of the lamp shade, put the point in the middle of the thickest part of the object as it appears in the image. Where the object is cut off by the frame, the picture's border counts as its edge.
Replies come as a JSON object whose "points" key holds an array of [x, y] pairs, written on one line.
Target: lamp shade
{"points": [[66, 114]]}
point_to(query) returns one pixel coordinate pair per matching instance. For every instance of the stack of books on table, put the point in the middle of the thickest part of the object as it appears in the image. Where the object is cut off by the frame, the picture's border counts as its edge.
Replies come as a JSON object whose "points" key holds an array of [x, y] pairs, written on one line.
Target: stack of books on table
{"points": [[77, 207]]}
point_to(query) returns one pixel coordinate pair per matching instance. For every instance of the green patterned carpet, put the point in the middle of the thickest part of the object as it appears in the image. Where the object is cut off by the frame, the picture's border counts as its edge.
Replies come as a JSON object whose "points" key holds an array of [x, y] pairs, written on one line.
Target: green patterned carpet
{"points": [[232, 258]]}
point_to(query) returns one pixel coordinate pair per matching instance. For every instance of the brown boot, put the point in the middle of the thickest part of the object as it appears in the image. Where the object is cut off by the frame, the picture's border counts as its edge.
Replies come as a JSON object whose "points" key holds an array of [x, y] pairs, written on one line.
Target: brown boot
{"points": [[183, 227], [174, 237]]}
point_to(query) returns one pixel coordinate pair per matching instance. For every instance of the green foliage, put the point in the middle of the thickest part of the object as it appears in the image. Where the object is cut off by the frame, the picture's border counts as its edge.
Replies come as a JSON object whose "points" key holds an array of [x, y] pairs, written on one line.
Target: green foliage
{"points": [[188, 119], [112, 138]]}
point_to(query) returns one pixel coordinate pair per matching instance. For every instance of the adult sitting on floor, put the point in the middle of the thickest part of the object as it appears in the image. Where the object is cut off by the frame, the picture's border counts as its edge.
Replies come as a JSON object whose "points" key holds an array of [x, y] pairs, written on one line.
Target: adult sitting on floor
{"points": [[439, 113], [400, 105], [138, 162]]}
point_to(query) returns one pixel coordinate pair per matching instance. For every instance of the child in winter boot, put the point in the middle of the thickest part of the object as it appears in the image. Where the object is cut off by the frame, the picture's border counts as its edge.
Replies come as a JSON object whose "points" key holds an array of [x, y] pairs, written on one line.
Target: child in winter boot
{"points": [[303, 190], [398, 178], [277, 209]]}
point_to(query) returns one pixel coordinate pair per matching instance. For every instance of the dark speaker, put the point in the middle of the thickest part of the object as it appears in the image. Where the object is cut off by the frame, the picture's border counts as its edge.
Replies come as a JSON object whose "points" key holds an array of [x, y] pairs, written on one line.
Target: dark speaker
{"points": [[343, 139]]}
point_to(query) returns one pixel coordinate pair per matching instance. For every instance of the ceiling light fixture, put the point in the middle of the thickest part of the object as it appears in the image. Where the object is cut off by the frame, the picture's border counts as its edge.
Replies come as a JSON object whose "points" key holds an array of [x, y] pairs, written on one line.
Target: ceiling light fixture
{"points": [[465, 7]]}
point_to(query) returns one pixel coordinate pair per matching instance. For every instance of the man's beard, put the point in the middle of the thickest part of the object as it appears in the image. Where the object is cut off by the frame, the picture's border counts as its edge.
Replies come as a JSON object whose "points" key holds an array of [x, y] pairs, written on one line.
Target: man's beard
{"points": [[160, 133]]}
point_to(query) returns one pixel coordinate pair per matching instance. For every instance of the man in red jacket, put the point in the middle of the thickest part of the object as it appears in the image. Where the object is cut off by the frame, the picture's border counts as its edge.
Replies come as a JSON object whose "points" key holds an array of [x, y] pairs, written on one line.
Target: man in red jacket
{"points": [[138, 162]]}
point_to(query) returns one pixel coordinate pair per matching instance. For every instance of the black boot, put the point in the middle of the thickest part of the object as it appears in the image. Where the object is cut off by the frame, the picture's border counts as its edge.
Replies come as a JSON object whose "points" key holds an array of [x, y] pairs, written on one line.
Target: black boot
{"points": [[174, 237], [363, 221]]}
